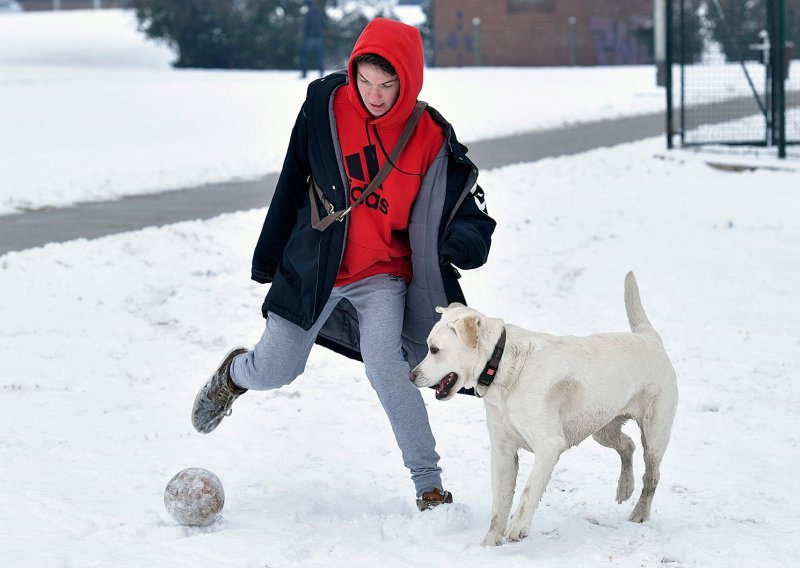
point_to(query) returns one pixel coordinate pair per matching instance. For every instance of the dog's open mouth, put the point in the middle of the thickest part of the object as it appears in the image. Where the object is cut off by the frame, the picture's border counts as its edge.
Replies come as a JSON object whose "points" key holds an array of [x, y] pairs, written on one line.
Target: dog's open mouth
{"points": [[445, 386]]}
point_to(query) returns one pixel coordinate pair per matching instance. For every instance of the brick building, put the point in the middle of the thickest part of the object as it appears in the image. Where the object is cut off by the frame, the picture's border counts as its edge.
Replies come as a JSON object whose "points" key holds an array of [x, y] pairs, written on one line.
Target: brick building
{"points": [[542, 32]]}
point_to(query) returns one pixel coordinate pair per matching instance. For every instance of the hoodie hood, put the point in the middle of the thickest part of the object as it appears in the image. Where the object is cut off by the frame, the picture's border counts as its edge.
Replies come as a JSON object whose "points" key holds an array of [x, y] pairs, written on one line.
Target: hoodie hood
{"points": [[400, 45]]}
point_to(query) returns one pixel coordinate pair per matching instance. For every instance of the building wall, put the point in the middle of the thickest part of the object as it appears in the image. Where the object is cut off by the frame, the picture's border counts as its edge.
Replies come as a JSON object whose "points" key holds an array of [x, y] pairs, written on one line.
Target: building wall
{"points": [[542, 32]]}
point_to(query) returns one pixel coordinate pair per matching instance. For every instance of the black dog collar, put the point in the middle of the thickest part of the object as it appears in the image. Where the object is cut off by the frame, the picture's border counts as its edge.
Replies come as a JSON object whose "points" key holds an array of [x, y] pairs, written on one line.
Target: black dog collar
{"points": [[490, 370]]}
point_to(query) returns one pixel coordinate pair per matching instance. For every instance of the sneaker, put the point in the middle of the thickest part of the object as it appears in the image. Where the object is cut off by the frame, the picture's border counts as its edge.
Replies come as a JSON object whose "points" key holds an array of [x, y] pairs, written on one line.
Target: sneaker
{"points": [[214, 401], [432, 499]]}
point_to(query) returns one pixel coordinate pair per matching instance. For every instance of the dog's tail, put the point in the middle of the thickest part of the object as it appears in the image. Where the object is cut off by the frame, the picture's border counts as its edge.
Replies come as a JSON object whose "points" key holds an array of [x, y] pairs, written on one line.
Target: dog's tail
{"points": [[633, 306]]}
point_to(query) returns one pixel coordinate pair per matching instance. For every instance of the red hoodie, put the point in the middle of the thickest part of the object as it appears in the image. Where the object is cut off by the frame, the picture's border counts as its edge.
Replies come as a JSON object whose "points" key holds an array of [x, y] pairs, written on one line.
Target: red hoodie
{"points": [[377, 240]]}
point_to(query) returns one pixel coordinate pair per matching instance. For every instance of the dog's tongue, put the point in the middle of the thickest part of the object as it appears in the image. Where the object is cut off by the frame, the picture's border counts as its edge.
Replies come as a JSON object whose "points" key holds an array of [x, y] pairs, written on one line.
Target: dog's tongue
{"points": [[443, 389]]}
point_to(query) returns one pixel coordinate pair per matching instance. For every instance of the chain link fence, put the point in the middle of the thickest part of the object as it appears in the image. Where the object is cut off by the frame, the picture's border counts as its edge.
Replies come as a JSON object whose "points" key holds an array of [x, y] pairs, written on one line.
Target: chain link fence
{"points": [[739, 71]]}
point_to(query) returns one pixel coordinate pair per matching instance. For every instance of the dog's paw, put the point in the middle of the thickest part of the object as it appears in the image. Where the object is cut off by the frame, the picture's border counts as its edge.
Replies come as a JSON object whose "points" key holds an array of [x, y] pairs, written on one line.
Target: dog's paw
{"points": [[492, 539], [625, 487], [640, 514], [516, 533]]}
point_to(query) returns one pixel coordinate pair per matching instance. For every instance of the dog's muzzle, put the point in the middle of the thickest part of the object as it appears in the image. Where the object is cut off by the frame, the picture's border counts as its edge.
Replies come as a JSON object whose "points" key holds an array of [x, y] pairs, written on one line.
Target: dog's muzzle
{"points": [[445, 386]]}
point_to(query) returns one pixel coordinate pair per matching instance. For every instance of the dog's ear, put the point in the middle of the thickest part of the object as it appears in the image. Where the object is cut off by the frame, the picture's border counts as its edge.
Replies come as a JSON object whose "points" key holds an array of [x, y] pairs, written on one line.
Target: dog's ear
{"points": [[440, 309], [466, 329]]}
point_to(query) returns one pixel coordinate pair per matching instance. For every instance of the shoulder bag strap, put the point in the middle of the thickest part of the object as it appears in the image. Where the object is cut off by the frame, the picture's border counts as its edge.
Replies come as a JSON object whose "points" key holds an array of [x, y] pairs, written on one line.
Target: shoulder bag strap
{"points": [[315, 192]]}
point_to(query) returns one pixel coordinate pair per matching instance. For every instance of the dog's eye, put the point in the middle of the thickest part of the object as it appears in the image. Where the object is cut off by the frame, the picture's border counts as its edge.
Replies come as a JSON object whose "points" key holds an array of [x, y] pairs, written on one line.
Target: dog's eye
{"points": [[434, 350]]}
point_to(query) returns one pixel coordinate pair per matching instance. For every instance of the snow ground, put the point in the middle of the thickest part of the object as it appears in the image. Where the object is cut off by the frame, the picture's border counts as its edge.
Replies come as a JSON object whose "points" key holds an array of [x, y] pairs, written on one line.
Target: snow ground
{"points": [[104, 343]]}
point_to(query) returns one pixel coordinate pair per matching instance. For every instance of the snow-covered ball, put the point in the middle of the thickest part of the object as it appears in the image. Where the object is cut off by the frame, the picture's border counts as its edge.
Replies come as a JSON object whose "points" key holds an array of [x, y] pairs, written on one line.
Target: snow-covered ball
{"points": [[194, 497]]}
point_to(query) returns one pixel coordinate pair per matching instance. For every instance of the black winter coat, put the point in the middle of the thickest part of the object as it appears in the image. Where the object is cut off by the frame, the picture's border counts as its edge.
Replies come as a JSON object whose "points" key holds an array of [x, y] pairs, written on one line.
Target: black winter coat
{"points": [[448, 226]]}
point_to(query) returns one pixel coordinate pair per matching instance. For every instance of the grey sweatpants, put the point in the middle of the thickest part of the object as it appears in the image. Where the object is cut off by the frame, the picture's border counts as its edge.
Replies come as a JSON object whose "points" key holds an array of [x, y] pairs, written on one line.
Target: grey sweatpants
{"points": [[281, 354]]}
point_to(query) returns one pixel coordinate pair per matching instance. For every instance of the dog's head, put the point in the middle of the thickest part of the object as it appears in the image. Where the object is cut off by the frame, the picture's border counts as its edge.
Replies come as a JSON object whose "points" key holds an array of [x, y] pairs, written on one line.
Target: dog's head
{"points": [[458, 349]]}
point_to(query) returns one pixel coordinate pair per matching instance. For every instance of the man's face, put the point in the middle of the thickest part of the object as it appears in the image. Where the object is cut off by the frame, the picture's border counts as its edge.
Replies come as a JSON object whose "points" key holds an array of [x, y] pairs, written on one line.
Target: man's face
{"points": [[378, 90]]}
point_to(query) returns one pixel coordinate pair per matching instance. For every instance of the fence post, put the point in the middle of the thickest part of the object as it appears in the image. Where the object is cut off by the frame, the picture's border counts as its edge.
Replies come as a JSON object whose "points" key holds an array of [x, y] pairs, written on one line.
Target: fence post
{"points": [[573, 40], [668, 69], [683, 34], [659, 47], [779, 75], [476, 41]]}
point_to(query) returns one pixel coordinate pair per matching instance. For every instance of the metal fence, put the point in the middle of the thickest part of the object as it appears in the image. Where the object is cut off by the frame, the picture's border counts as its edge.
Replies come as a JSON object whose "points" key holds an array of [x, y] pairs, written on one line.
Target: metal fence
{"points": [[739, 71]]}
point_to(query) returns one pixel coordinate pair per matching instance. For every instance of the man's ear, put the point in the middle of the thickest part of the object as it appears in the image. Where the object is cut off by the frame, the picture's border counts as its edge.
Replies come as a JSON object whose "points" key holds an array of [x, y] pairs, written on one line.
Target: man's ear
{"points": [[466, 329]]}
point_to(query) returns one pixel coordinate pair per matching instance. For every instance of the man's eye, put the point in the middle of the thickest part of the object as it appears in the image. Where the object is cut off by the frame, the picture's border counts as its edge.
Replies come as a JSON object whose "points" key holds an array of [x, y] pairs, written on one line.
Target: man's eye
{"points": [[434, 350]]}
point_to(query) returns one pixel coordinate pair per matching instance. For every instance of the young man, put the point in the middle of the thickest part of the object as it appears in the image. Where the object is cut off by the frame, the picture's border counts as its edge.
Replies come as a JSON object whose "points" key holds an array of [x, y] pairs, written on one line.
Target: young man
{"points": [[365, 287]]}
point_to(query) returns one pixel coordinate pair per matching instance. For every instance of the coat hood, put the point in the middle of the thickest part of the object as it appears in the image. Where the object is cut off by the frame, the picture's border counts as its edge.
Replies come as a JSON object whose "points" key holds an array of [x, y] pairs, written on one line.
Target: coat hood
{"points": [[400, 45]]}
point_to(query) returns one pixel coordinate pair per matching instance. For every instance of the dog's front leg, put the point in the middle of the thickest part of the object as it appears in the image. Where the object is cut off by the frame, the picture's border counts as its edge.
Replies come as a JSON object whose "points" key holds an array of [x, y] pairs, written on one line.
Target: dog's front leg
{"points": [[505, 464], [543, 465]]}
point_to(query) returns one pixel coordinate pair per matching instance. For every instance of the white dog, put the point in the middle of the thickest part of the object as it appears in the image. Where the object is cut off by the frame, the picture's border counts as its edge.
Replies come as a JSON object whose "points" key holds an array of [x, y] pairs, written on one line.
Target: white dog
{"points": [[546, 393]]}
